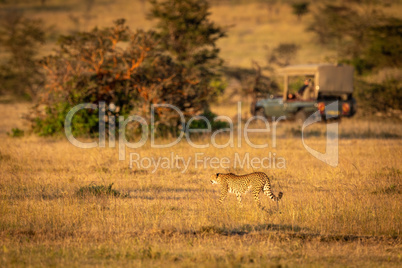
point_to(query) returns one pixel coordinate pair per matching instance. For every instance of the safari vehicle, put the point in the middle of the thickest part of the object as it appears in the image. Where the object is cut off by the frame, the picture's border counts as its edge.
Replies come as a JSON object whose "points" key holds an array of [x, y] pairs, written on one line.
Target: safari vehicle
{"points": [[327, 84]]}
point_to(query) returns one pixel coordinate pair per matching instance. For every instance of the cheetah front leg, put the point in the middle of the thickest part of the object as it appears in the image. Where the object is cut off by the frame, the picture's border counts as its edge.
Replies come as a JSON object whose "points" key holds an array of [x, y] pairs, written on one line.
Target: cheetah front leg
{"points": [[238, 195], [224, 193]]}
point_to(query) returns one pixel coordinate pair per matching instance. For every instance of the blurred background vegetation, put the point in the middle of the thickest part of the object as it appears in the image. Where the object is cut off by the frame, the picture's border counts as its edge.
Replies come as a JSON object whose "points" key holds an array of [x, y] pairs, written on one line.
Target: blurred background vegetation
{"points": [[188, 53]]}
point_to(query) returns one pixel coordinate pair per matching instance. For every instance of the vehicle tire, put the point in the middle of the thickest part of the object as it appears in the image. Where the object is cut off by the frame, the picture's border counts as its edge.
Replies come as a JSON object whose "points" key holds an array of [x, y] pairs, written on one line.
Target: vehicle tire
{"points": [[260, 112], [300, 117]]}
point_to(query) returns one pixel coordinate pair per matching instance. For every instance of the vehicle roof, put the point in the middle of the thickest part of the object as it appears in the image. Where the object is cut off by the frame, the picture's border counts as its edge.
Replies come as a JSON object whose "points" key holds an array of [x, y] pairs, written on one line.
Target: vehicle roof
{"points": [[329, 78], [303, 68]]}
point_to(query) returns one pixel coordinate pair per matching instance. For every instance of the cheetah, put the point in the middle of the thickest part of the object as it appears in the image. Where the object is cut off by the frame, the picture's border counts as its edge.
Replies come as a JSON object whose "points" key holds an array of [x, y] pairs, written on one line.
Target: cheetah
{"points": [[241, 184]]}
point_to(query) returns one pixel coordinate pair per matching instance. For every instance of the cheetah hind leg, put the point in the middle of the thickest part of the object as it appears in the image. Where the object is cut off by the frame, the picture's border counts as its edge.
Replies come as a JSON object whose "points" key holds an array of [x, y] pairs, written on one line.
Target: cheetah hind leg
{"points": [[257, 199]]}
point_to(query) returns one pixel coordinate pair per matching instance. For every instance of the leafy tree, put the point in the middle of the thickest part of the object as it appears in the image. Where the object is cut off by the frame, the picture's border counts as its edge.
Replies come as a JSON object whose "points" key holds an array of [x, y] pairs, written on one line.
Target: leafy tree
{"points": [[178, 65], [283, 54], [360, 34], [300, 9], [367, 39], [90, 67], [129, 71], [190, 38], [379, 96], [332, 24], [21, 38], [384, 48]]}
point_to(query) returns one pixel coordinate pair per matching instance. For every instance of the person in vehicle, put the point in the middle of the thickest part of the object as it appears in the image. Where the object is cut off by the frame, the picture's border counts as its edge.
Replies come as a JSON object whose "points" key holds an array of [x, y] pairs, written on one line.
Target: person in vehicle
{"points": [[304, 93], [291, 96], [301, 90]]}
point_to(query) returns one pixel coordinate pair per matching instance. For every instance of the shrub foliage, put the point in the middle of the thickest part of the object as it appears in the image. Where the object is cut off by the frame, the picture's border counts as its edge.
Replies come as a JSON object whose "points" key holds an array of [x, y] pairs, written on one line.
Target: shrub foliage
{"points": [[20, 38], [131, 71], [367, 39], [361, 34], [98, 191]]}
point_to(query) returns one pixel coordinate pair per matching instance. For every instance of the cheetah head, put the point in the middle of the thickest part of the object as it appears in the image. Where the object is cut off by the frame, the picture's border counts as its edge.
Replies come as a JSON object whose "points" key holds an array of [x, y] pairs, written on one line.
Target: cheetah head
{"points": [[215, 178]]}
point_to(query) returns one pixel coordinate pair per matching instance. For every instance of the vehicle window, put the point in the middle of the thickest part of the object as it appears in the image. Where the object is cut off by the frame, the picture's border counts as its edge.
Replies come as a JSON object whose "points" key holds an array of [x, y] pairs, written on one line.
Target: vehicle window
{"points": [[295, 83], [300, 87]]}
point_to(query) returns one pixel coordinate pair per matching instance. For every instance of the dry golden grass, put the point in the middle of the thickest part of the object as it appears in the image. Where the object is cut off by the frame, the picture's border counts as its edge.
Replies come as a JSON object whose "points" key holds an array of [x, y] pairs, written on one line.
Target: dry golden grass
{"points": [[252, 26], [344, 216]]}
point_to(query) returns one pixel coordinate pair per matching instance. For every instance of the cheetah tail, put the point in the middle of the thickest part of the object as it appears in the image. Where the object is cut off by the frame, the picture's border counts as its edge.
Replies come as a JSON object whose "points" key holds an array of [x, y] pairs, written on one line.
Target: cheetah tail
{"points": [[268, 192]]}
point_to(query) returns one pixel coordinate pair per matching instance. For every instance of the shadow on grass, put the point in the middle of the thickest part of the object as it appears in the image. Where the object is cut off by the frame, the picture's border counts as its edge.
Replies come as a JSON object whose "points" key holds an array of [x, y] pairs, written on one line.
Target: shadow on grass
{"points": [[158, 192], [158, 197], [42, 8], [31, 196], [370, 135], [271, 232], [161, 189], [297, 133], [288, 232], [248, 228]]}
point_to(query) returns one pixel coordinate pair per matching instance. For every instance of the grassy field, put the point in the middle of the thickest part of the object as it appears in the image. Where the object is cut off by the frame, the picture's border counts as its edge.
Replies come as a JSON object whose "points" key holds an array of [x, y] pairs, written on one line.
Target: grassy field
{"points": [[349, 215]]}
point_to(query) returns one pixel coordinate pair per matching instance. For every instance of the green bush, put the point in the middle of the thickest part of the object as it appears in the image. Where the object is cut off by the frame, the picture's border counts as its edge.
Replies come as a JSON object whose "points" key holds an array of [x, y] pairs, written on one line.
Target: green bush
{"points": [[201, 124], [131, 71], [16, 133], [85, 121], [376, 97], [370, 45], [98, 191], [20, 39], [300, 9]]}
